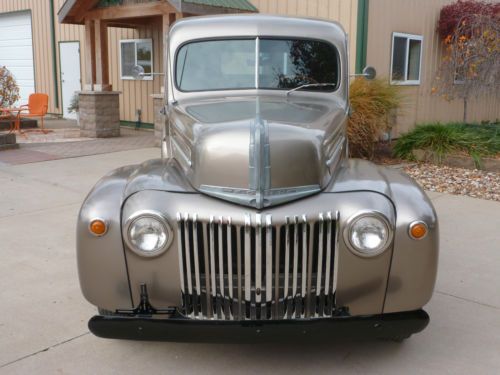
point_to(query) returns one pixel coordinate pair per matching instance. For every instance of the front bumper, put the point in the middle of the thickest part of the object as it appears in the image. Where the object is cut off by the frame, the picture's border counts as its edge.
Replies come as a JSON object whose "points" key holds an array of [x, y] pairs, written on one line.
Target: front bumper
{"points": [[385, 326]]}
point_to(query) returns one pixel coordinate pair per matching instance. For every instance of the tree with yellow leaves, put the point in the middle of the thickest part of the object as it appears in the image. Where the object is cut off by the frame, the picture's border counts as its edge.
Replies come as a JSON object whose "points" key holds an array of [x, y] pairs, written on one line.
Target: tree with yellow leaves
{"points": [[470, 66], [9, 91]]}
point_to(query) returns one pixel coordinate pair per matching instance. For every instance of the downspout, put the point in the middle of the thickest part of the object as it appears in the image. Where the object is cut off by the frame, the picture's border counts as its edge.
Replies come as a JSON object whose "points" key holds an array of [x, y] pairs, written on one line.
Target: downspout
{"points": [[54, 54], [361, 35]]}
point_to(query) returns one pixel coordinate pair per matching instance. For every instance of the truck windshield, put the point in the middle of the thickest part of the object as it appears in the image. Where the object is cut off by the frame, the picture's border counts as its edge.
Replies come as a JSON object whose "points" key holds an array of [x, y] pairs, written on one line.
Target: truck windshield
{"points": [[281, 64]]}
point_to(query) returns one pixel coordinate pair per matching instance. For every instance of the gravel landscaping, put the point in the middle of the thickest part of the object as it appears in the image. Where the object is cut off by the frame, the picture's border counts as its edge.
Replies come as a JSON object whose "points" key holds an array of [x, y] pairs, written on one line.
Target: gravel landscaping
{"points": [[471, 182]]}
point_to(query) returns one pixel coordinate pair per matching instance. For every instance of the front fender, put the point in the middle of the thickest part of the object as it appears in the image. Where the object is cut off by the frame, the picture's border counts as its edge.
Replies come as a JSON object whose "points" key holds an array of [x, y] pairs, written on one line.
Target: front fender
{"points": [[102, 269], [414, 263], [102, 264]]}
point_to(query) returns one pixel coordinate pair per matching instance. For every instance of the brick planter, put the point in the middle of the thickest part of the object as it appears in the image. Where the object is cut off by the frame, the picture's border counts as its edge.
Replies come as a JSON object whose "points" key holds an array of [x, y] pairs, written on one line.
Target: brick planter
{"points": [[99, 114], [8, 142]]}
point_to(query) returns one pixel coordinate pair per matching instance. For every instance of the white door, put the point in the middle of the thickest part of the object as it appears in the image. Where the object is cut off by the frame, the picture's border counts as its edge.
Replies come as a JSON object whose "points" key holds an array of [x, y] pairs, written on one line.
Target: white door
{"points": [[16, 51], [70, 74]]}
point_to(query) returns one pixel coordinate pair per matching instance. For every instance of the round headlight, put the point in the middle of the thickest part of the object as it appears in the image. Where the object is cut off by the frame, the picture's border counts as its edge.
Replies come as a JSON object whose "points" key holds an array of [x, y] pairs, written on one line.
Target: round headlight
{"points": [[369, 234], [148, 234]]}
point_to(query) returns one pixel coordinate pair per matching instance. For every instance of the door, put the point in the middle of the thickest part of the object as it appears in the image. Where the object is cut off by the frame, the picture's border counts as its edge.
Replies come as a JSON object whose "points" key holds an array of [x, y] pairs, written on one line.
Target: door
{"points": [[16, 51], [69, 53]]}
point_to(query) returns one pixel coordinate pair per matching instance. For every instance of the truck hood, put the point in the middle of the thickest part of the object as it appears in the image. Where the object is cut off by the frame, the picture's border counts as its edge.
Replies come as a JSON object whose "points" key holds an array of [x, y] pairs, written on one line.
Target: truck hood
{"points": [[259, 151]]}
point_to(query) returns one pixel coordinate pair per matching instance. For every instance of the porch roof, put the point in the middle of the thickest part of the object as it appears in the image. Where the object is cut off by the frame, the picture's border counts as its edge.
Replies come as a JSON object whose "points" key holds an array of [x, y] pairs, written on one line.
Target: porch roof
{"points": [[76, 11]]}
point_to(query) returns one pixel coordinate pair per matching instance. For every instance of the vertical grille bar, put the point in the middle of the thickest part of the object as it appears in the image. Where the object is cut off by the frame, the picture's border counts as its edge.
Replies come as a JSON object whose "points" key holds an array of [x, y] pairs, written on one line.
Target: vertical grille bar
{"points": [[304, 275], [239, 269], [206, 257], [221, 297], [181, 261], [269, 264], [248, 263], [212, 266], [187, 248], [277, 275], [295, 296], [287, 266], [197, 284], [319, 270], [258, 262], [229, 247], [336, 258], [328, 264]]}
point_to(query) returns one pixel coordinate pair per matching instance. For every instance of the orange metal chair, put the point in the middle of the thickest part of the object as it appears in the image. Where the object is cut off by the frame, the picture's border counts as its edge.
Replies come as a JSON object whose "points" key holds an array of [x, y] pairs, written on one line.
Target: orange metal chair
{"points": [[37, 106]]}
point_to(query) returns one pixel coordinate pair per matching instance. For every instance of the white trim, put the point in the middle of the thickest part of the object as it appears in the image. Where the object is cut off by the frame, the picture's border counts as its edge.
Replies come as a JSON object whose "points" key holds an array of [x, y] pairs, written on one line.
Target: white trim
{"points": [[136, 41], [407, 82]]}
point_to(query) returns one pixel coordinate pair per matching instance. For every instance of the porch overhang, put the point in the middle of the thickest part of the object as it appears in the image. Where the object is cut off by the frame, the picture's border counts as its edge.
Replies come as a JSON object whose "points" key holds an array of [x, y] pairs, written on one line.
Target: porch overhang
{"points": [[76, 11]]}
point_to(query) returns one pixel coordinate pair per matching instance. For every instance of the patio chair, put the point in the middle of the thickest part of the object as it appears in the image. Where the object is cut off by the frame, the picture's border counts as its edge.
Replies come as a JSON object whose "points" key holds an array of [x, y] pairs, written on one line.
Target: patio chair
{"points": [[37, 106]]}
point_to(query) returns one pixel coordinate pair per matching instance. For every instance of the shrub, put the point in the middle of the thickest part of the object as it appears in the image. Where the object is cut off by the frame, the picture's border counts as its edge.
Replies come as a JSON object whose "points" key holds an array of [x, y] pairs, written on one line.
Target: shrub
{"points": [[74, 105], [371, 103], [442, 139], [9, 91]]}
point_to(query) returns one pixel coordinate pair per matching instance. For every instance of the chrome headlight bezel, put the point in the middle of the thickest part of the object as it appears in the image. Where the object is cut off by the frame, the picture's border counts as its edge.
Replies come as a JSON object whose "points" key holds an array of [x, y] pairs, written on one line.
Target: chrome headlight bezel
{"points": [[153, 215], [349, 229]]}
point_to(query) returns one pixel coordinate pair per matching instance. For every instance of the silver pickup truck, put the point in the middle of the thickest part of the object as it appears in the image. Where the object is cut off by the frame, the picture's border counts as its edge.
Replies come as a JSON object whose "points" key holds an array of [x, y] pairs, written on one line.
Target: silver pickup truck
{"points": [[254, 224]]}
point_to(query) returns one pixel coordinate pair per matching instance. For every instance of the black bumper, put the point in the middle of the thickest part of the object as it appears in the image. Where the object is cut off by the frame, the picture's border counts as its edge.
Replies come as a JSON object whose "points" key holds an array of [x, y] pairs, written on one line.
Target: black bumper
{"points": [[386, 326]]}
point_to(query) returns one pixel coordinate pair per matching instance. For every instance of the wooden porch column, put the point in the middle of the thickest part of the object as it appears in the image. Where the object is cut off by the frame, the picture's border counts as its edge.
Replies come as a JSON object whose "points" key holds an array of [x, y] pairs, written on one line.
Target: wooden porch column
{"points": [[90, 73], [101, 57]]}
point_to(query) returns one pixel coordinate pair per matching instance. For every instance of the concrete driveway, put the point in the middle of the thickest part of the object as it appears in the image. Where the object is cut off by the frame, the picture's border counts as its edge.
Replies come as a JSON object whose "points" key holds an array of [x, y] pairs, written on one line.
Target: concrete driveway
{"points": [[43, 317]]}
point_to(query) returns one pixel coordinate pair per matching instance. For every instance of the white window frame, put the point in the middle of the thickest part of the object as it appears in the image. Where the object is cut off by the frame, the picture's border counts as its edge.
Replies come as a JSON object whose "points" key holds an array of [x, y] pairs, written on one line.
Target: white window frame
{"points": [[408, 37], [135, 41]]}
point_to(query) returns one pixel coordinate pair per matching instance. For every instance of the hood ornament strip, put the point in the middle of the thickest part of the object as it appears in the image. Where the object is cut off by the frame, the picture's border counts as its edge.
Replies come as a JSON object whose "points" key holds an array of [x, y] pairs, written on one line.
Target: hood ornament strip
{"points": [[260, 158]]}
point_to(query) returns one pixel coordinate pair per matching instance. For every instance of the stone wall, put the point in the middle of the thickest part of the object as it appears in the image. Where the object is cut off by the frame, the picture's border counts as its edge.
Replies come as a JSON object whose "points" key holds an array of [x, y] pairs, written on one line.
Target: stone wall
{"points": [[99, 114]]}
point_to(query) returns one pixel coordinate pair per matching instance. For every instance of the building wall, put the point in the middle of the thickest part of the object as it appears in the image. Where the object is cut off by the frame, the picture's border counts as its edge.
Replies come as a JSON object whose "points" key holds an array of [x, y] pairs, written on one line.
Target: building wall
{"points": [[418, 17]]}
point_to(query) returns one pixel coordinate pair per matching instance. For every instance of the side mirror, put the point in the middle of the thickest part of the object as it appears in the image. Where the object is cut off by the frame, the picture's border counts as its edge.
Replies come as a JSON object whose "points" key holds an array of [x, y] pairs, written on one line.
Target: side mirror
{"points": [[138, 72], [369, 72]]}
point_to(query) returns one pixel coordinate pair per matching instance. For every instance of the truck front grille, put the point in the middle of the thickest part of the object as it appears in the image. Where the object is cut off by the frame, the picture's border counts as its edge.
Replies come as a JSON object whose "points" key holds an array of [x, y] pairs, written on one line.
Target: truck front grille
{"points": [[258, 270]]}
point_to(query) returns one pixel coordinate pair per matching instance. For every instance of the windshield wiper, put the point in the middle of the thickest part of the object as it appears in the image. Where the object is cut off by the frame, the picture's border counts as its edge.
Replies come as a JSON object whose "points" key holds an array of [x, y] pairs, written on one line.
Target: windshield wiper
{"points": [[310, 85]]}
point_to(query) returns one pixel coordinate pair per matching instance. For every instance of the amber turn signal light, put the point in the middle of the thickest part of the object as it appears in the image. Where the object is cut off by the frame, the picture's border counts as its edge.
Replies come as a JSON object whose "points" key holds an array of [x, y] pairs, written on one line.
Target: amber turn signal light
{"points": [[418, 230], [98, 227]]}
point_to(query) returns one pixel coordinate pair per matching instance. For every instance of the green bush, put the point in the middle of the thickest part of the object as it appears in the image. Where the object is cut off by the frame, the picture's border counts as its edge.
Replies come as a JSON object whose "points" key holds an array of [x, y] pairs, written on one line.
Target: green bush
{"points": [[443, 139]]}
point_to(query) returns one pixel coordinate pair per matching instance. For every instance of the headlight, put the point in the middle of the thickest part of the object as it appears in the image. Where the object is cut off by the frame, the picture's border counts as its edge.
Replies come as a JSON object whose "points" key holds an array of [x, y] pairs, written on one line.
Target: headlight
{"points": [[368, 234], [148, 234]]}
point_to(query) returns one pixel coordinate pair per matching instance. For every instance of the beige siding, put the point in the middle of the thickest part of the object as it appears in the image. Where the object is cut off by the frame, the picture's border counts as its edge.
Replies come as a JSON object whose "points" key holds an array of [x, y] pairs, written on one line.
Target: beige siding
{"points": [[343, 11], [418, 17]]}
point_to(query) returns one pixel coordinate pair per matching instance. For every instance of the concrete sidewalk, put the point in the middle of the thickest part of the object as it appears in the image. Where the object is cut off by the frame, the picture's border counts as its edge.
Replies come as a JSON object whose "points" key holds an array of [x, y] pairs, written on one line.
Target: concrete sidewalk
{"points": [[43, 319]]}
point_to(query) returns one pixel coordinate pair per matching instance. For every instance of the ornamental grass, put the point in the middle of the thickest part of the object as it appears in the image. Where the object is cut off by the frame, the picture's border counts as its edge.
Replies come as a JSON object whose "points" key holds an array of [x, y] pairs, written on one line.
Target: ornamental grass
{"points": [[372, 102]]}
